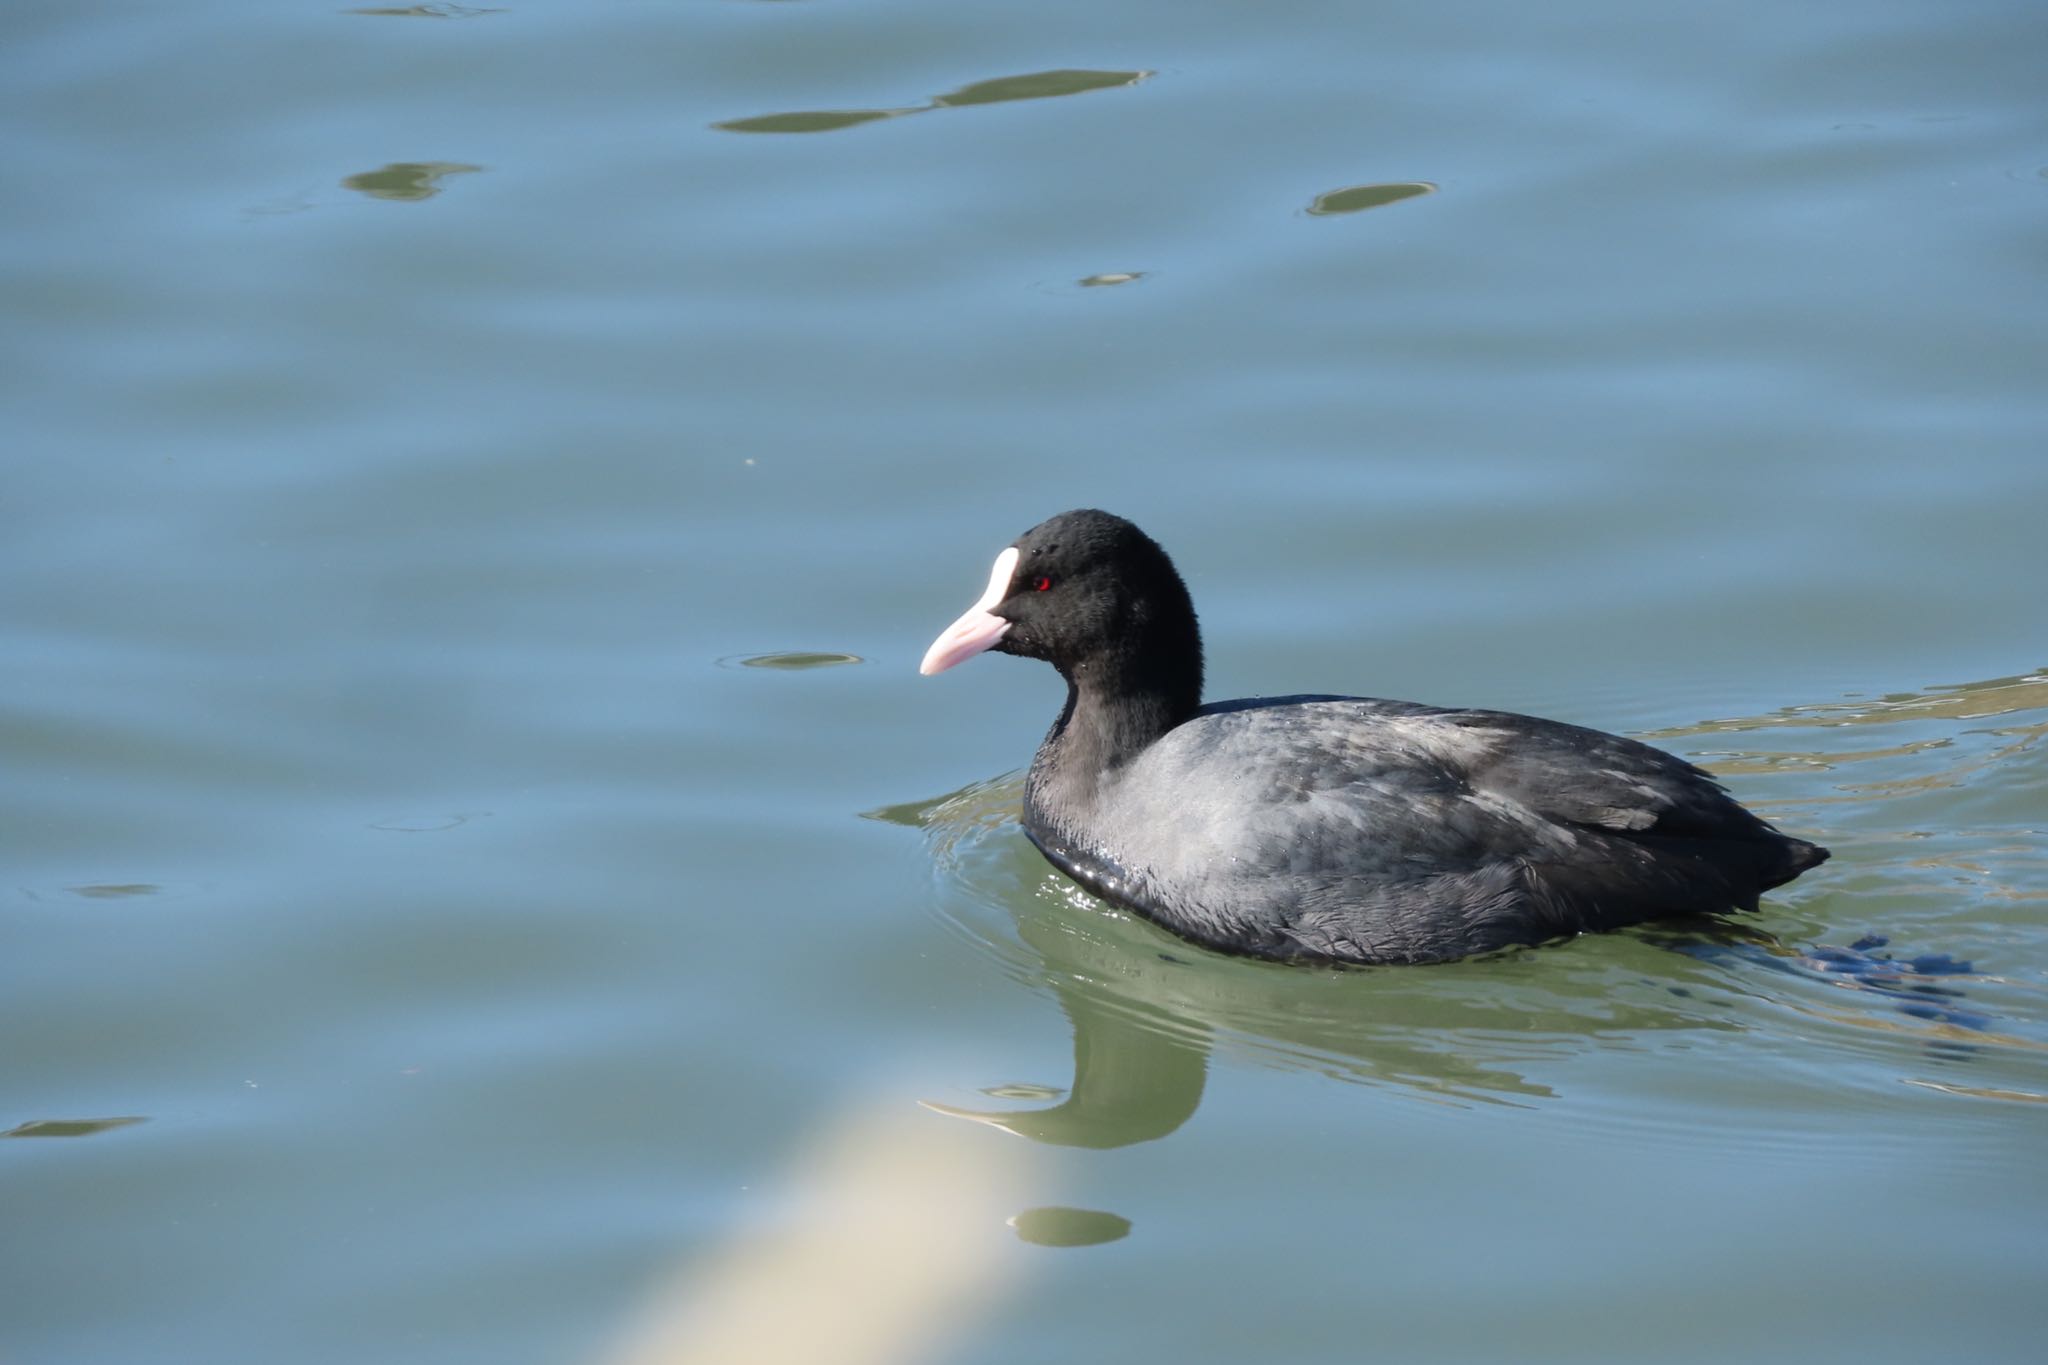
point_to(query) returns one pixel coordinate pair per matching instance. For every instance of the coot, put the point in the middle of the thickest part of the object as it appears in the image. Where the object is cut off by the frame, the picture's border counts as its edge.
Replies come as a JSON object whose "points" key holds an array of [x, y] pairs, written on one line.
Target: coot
{"points": [[1325, 828]]}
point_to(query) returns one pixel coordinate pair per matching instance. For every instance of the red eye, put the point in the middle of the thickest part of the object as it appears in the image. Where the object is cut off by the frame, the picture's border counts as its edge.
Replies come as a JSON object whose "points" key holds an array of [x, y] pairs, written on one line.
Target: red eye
{"points": [[1041, 584]]}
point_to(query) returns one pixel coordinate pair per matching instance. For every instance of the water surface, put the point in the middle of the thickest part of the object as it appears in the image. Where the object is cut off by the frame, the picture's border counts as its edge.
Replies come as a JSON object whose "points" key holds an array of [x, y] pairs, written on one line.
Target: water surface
{"points": [[486, 883]]}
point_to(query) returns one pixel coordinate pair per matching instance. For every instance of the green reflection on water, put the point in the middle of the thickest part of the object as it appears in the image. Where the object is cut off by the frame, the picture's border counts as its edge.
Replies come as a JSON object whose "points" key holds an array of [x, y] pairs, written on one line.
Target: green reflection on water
{"points": [[1358, 198], [1063, 1227], [424, 12], [69, 1127], [406, 180], [813, 120], [1037, 85], [1138, 1076], [795, 660]]}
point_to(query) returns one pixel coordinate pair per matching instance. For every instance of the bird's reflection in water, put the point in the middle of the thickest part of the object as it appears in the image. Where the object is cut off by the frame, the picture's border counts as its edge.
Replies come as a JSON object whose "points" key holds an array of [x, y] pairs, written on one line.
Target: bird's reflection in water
{"points": [[1148, 1010], [1133, 1081]]}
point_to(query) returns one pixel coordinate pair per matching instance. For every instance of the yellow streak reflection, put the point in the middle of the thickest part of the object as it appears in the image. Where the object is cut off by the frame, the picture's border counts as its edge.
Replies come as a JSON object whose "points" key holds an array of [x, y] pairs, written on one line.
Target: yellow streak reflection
{"points": [[886, 1241]]}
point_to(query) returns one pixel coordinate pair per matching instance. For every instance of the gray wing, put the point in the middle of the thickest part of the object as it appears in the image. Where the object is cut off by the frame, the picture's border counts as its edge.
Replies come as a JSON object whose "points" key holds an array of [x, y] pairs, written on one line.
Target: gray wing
{"points": [[1370, 830]]}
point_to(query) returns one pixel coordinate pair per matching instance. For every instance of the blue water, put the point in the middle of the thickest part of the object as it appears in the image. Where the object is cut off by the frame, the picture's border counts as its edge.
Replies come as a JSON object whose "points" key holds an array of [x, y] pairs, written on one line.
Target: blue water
{"points": [[432, 934]]}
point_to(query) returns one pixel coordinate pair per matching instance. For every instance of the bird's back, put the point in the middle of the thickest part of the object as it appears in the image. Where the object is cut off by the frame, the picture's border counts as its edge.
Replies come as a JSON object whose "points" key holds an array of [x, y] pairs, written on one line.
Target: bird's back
{"points": [[1360, 829]]}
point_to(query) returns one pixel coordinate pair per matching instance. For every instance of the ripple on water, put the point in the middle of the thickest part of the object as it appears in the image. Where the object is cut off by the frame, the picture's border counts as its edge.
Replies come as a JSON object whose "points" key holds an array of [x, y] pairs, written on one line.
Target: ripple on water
{"points": [[794, 661], [1359, 198], [424, 12], [407, 181], [1064, 1227], [1036, 85], [44, 1128]]}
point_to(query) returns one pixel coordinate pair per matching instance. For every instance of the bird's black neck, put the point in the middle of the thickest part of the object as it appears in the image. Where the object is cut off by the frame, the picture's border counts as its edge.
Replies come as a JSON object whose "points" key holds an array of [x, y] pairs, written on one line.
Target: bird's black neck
{"points": [[1118, 705]]}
